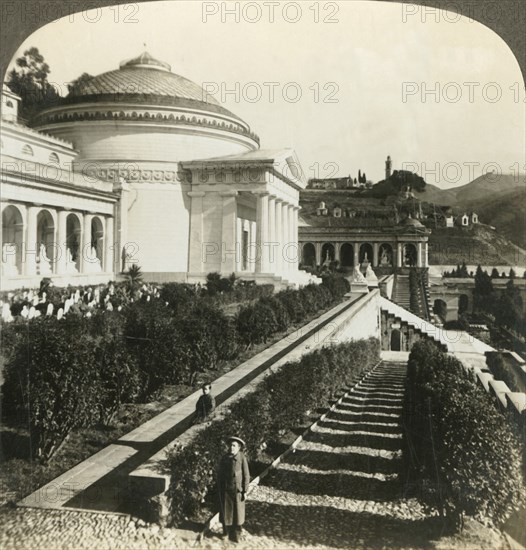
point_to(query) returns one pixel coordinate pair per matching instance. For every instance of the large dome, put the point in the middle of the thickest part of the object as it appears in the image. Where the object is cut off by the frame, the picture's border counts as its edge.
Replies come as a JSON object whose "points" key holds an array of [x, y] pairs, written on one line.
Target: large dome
{"points": [[147, 78]]}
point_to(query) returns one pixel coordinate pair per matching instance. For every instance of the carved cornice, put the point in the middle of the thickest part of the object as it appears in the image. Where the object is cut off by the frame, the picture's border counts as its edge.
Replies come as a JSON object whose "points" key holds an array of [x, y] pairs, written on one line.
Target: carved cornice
{"points": [[152, 116], [132, 175]]}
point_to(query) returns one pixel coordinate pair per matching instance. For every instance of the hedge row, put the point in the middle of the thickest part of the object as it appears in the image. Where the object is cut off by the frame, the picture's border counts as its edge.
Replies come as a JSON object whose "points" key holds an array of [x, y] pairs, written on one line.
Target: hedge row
{"points": [[281, 402], [461, 450], [65, 374]]}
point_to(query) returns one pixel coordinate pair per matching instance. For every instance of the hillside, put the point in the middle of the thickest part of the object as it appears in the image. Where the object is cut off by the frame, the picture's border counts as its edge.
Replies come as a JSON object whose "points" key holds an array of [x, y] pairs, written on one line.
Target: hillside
{"points": [[478, 245], [506, 212], [488, 186], [434, 194]]}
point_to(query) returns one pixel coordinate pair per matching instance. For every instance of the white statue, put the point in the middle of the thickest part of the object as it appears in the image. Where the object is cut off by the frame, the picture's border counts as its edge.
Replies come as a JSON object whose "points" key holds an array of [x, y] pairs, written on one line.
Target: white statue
{"points": [[9, 268], [60, 313], [370, 276], [25, 312], [44, 263], [385, 258], [6, 313], [357, 276], [71, 266], [92, 263], [49, 310]]}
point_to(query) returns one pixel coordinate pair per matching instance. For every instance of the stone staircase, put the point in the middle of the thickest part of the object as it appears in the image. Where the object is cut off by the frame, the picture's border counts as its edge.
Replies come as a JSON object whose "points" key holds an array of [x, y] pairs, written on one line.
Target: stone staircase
{"points": [[401, 291], [341, 488]]}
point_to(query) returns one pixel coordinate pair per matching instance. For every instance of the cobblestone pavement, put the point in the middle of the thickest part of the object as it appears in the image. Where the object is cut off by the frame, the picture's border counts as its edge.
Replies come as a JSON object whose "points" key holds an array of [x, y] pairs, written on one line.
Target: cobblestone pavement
{"points": [[339, 489], [36, 528]]}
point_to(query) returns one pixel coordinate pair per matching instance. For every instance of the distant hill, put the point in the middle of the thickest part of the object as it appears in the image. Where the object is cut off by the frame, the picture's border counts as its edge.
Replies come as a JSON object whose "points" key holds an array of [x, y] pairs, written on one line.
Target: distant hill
{"points": [[434, 194], [488, 186]]}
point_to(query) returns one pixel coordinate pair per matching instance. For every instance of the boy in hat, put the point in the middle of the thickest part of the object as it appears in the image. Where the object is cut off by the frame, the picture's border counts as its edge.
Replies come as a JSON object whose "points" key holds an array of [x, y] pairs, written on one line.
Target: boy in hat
{"points": [[233, 478], [205, 404]]}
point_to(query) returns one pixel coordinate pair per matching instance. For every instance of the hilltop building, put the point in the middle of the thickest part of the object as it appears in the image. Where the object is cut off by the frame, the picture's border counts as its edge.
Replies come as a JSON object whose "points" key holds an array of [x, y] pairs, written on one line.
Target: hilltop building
{"points": [[140, 166]]}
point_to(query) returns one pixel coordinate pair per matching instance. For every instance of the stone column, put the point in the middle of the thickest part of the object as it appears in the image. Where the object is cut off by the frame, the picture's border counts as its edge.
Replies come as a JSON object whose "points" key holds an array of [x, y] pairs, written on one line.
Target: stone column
{"points": [[279, 236], [229, 245], [399, 247], [121, 221], [337, 247], [292, 251], [239, 244], [295, 233], [86, 242], [426, 254], [419, 254], [262, 256], [375, 254], [272, 235], [30, 249], [317, 247], [61, 241], [286, 237], [109, 246], [252, 249], [196, 251], [356, 249]]}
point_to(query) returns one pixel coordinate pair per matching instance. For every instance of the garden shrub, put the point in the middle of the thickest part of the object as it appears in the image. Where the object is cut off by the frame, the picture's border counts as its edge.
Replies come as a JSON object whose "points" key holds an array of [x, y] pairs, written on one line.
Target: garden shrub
{"points": [[460, 448], [179, 296], [119, 376], [280, 402], [255, 324], [52, 382], [293, 305]]}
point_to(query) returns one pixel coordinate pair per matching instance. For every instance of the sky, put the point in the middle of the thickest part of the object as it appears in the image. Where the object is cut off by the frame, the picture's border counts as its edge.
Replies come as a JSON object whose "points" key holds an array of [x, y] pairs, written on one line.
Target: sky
{"points": [[343, 83]]}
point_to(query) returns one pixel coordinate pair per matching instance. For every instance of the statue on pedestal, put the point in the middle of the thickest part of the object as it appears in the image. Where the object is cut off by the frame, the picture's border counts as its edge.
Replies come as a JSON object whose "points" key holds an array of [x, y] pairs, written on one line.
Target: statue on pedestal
{"points": [[44, 263], [92, 263], [9, 268], [71, 266]]}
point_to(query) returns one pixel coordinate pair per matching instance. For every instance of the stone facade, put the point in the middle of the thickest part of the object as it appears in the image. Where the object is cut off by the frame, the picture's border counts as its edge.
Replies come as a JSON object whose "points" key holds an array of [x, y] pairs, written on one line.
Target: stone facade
{"points": [[125, 145]]}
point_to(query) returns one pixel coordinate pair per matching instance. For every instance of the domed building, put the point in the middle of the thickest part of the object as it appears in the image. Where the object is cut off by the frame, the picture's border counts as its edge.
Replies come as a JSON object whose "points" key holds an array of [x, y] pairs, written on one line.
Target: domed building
{"points": [[193, 193]]}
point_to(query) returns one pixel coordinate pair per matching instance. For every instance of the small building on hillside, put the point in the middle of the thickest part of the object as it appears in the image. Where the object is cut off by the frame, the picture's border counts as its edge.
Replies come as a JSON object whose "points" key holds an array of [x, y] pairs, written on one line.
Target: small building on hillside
{"points": [[467, 219]]}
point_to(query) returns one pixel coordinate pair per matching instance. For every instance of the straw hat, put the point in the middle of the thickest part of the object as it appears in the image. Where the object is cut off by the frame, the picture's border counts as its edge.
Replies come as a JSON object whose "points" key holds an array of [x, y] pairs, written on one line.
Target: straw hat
{"points": [[237, 439]]}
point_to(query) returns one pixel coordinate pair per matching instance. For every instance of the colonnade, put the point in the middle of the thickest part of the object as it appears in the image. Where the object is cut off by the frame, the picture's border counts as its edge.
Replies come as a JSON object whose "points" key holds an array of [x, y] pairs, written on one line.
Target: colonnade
{"points": [[276, 243], [38, 240], [379, 254]]}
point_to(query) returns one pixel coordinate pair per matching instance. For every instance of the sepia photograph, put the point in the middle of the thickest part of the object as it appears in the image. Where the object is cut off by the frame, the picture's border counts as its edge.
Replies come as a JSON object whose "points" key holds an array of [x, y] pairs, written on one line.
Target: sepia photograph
{"points": [[263, 275]]}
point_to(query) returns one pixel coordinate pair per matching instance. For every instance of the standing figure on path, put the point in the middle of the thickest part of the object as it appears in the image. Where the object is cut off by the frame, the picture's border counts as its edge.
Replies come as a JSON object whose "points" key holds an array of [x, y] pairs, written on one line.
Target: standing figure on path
{"points": [[205, 404], [233, 478]]}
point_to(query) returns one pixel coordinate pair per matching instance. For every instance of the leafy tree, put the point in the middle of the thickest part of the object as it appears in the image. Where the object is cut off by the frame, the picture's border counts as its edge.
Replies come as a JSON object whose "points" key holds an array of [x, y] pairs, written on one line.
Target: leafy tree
{"points": [[512, 274], [77, 86], [52, 382], [483, 290], [30, 81], [495, 273]]}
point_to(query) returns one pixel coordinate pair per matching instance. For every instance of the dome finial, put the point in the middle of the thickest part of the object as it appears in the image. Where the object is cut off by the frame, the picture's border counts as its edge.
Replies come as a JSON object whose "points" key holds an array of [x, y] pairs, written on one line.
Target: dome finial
{"points": [[145, 61]]}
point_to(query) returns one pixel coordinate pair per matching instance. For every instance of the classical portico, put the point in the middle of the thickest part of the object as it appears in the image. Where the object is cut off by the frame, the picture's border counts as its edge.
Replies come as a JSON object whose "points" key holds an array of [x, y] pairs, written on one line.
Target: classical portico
{"points": [[244, 216]]}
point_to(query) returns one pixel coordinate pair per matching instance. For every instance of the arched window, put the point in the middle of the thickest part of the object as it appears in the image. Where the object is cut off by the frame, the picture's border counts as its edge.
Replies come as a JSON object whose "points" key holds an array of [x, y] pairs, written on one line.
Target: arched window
{"points": [[27, 150], [53, 157]]}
